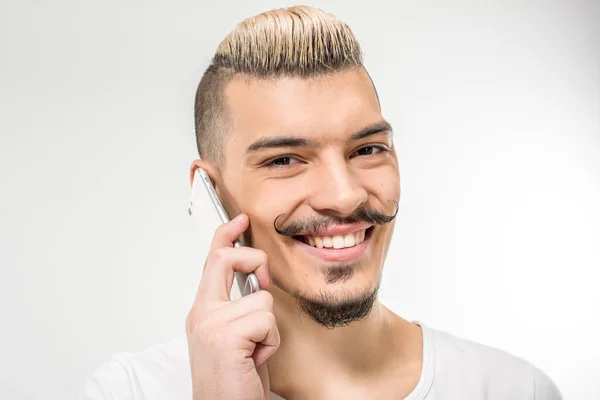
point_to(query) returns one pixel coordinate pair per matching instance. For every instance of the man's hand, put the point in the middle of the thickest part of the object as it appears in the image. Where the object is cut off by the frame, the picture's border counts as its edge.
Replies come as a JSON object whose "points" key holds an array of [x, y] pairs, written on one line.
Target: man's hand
{"points": [[229, 341]]}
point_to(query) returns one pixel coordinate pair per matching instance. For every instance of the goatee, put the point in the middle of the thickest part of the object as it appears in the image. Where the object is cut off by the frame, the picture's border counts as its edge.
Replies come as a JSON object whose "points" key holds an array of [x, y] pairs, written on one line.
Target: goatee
{"points": [[334, 312]]}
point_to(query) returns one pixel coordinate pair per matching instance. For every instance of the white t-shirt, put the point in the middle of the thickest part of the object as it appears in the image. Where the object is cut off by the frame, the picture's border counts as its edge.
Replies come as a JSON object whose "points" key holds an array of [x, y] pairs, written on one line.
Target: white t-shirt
{"points": [[453, 368]]}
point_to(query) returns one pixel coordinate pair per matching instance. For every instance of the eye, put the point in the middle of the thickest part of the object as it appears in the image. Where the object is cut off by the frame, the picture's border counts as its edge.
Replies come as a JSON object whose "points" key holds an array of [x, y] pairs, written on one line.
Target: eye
{"points": [[281, 162], [370, 150]]}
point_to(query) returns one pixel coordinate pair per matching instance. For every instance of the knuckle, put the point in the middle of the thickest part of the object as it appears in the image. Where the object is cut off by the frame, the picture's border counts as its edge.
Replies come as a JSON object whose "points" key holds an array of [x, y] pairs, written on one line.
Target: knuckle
{"points": [[266, 299], [266, 317], [269, 318], [191, 323], [263, 256], [218, 256]]}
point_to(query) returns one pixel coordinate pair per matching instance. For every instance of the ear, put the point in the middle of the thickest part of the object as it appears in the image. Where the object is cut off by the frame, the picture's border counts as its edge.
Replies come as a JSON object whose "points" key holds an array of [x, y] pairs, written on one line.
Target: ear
{"points": [[211, 170], [217, 180]]}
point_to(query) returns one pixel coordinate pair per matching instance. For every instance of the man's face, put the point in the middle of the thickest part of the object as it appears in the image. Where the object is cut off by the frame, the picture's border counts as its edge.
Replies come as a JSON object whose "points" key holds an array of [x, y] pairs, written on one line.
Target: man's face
{"points": [[311, 153]]}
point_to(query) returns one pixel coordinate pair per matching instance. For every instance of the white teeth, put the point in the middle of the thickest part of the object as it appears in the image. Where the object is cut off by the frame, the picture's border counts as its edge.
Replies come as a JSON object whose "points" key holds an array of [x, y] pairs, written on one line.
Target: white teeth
{"points": [[349, 240], [318, 242], [337, 241]]}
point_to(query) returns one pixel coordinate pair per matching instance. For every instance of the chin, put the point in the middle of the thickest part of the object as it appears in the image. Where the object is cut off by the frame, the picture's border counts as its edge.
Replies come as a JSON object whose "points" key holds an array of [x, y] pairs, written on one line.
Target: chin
{"points": [[339, 282], [340, 305]]}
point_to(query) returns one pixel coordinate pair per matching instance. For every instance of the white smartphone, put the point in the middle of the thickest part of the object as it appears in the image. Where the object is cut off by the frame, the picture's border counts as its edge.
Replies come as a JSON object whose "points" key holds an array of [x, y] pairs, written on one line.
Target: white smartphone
{"points": [[247, 283]]}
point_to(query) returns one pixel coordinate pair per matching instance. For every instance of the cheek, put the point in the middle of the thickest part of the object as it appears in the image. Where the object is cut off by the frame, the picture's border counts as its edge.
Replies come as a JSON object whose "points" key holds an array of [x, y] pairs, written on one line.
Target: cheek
{"points": [[384, 184], [263, 203], [388, 240], [269, 199]]}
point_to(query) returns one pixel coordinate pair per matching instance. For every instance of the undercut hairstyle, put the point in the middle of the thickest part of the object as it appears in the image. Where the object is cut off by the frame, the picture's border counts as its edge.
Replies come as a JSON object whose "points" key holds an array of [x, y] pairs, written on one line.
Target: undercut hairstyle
{"points": [[299, 41]]}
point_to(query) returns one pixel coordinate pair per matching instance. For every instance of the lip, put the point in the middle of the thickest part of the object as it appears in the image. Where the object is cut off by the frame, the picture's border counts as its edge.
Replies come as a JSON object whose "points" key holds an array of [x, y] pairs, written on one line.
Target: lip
{"points": [[346, 254], [341, 229]]}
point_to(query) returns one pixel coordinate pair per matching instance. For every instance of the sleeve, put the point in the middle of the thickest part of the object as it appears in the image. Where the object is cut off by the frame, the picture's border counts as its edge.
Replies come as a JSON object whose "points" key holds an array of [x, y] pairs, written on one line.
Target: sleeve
{"points": [[110, 382], [544, 387]]}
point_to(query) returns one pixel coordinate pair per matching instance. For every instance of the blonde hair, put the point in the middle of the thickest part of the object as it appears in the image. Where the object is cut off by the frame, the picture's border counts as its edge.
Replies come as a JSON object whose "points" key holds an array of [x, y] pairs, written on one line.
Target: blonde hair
{"points": [[296, 41]]}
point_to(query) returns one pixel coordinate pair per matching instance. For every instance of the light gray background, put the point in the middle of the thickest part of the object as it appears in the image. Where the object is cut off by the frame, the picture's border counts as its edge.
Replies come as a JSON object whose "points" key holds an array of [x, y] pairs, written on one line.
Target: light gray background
{"points": [[496, 108]]}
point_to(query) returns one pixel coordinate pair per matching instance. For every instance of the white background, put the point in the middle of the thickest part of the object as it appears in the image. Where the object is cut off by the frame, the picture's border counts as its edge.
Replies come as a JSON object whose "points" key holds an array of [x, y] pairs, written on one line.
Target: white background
{"points": [[496, 107]]}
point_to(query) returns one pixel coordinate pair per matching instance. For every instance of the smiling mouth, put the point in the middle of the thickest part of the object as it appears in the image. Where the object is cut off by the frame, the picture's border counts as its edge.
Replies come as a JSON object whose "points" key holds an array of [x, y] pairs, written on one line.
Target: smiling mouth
{"points": [[336, 241]]}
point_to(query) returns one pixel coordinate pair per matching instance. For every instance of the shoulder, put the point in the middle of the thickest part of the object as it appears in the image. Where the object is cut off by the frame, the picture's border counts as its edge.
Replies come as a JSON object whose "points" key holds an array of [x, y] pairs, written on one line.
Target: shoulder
{"points": [[486, 371], [161, 371], [544, 387]]}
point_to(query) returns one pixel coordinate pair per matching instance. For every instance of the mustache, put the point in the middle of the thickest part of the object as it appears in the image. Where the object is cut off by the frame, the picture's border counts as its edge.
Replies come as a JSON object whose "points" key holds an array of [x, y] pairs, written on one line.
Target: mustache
{"points": [[310, 226]]}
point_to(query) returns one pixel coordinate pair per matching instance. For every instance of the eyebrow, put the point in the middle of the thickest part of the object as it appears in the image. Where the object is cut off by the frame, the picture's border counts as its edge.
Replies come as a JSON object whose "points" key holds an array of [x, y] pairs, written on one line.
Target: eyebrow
{"points": [[281, 141], [375, 129], [292, 141]]}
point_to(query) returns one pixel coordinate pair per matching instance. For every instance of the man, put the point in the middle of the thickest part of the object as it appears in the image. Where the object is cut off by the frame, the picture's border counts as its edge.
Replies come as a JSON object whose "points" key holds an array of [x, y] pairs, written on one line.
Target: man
{"points": [[289, 129]]}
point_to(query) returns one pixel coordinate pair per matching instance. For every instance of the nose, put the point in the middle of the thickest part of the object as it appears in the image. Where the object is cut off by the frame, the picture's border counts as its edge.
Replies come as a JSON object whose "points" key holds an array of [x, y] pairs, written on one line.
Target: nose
{"points": [[337, 189]]}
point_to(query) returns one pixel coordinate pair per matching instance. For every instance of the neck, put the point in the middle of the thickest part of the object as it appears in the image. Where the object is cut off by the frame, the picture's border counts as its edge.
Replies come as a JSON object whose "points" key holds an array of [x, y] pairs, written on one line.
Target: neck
{"points": [[358, 351]]}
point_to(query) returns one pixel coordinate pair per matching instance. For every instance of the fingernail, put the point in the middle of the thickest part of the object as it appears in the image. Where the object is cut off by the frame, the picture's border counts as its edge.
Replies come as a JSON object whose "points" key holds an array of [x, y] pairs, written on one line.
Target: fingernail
{"points": [[239, 218]]}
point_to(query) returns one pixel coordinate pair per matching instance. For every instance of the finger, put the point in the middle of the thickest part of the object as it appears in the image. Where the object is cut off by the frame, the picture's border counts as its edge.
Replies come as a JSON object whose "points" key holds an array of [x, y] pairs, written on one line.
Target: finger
{"points": [[221, 264], [255, 302], [229, 232], [260, 333]]}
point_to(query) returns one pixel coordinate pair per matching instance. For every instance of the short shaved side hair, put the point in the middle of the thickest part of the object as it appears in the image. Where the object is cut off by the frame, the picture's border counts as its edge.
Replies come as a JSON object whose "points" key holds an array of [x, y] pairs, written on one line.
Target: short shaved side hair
{"points": [[299, 41]]}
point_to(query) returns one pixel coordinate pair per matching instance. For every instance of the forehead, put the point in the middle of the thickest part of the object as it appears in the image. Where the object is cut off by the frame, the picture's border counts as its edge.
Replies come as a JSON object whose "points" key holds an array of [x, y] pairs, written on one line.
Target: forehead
{"points": [[325, 107]]}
